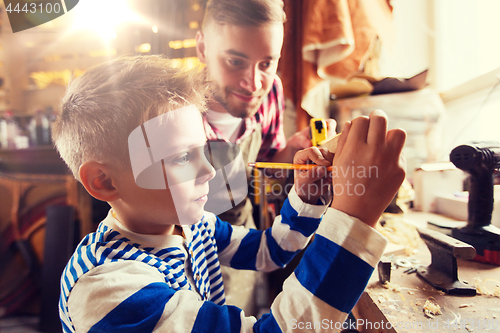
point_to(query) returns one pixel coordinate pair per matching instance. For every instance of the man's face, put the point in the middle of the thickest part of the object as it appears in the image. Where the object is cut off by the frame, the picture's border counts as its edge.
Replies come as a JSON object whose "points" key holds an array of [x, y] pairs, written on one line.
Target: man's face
{"points": [[241, 62]]}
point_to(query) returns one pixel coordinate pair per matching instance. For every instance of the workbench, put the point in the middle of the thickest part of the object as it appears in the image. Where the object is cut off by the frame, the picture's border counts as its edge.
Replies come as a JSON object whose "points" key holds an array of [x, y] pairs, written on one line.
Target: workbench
{"points": [[402, 309]]}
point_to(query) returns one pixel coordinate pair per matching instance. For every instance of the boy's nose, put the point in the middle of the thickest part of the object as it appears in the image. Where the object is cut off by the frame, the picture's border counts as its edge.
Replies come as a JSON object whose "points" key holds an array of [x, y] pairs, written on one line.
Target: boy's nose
{"points": [[252, 79], [206, 171]]}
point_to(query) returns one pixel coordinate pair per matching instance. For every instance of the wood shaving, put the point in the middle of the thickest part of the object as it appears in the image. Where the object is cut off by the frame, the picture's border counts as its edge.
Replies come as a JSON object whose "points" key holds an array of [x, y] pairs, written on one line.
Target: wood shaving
{"points": [[398, 231], [483, 290], [392, 286], [411, 292], [431, 309], [466, 305], [428, 314], [496, 291], [480, 287]]}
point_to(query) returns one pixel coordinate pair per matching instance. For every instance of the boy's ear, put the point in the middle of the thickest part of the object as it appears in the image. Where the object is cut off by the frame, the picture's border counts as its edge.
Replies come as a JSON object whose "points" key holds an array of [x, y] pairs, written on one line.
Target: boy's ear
{"points": [[200, 46], [97, 180]]}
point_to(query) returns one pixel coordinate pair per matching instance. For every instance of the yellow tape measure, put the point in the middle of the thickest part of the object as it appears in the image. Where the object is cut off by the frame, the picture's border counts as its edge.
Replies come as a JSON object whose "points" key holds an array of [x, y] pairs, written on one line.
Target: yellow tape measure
{"points": [[318, 130]]}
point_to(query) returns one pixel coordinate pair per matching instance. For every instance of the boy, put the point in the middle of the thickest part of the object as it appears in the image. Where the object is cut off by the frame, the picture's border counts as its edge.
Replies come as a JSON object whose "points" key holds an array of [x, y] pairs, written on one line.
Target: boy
{"points": [[131, 133]]}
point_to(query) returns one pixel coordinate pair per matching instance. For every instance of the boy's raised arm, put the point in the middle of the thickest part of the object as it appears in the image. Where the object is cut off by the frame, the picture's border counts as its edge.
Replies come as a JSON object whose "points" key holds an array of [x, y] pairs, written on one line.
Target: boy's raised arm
{"points": [[367, 171], [370, 163]]}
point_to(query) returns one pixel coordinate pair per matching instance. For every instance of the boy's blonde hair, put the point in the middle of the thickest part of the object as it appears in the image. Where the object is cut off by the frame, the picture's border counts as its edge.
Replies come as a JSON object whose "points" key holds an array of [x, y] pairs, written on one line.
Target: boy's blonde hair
{"points": [[102, 107]]}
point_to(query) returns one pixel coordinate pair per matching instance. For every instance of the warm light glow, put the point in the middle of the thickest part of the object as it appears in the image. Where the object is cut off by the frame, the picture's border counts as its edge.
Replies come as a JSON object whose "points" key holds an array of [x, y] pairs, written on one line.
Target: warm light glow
{"points": [[108, 52], [103, 16], [193, 25], [108, 34], [189, 62], [182, 44], [51, 58], [143, 48], [60, 78], [154, 28]]}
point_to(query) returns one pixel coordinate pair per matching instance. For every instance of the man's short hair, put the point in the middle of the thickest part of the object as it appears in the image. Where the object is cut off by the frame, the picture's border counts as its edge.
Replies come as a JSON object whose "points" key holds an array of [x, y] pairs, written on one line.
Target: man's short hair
{"points": [[102, 107], [252, 13]]}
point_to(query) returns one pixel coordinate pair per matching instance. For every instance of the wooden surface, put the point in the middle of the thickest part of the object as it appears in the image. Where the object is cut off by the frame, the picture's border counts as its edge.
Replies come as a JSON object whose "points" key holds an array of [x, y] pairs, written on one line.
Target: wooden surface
{"points": [[33, 160], [404, 308]]}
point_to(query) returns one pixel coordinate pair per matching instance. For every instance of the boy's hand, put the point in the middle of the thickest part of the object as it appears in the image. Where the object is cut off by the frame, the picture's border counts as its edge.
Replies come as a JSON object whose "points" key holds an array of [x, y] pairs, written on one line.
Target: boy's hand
{"points": [[312, 184], [368, 167]]}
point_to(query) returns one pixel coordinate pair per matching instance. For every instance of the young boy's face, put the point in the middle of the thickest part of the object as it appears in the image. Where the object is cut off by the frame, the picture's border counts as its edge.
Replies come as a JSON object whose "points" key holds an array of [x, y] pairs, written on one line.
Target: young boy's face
{"points": [[170, 172]]}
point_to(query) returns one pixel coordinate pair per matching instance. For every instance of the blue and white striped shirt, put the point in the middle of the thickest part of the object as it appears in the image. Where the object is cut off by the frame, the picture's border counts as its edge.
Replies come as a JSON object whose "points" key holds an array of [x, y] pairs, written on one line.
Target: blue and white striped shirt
{"points": [[119, 281]]}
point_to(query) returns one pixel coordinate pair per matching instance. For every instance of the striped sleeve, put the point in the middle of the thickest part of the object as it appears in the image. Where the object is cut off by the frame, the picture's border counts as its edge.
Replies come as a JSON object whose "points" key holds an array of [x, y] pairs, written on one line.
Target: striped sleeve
{"points": [[331, 276], [131, 296], [275, 247]]}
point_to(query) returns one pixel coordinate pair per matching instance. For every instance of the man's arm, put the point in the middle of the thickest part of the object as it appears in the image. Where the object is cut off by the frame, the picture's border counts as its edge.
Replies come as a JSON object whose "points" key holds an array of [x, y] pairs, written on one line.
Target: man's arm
{"points": [[274, 146]]}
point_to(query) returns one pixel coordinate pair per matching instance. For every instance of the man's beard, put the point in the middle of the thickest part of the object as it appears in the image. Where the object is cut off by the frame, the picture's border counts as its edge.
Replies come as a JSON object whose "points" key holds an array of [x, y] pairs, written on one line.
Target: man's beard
{"points": [[238, 109]]}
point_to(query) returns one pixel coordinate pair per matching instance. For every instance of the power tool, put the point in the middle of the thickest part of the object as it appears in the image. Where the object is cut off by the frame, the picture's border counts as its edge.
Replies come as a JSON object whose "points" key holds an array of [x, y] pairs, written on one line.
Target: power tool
{"points": [[479, 159]]}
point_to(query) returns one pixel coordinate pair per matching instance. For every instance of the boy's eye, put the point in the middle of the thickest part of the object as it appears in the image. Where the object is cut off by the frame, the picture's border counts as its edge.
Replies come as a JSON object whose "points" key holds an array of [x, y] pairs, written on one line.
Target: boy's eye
{"points": [[181, 160]]}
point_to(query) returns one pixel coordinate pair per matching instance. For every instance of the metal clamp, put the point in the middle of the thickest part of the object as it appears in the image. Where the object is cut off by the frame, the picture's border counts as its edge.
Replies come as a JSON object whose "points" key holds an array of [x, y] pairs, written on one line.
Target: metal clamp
{"points": [[442, 273]]}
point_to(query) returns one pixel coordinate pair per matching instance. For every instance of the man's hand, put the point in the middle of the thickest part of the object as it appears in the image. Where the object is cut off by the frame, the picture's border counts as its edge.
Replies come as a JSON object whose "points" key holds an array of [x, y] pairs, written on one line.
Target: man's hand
{"points": [[368, 167], [312, 184], [301, 140]]}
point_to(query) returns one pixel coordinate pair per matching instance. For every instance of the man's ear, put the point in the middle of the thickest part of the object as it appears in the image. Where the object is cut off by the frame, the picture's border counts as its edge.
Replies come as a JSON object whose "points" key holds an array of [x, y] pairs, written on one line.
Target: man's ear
{"points": [[200, 46], [97, 180]]}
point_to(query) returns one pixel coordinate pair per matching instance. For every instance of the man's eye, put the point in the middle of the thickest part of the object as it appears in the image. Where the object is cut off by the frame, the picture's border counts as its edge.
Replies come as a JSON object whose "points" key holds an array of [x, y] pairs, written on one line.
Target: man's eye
{"points": [[235, 62], [266, 64]]}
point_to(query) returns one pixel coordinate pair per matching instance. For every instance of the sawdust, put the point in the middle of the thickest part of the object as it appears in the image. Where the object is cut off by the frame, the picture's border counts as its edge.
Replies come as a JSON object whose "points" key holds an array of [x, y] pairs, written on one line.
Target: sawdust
{"points": [[400, 232], [431, 308], [482, 289], [385, 297], [392, 286]]}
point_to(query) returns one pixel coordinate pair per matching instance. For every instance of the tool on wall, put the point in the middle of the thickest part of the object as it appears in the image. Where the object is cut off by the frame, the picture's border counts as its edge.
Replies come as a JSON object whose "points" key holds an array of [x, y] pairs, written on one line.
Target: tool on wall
{"points": [[479, 160]]}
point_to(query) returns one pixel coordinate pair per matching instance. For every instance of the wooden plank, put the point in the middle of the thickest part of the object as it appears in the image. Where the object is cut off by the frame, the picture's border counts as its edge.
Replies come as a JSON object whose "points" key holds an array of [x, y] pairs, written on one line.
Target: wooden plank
{"points": [[331, 143]]}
